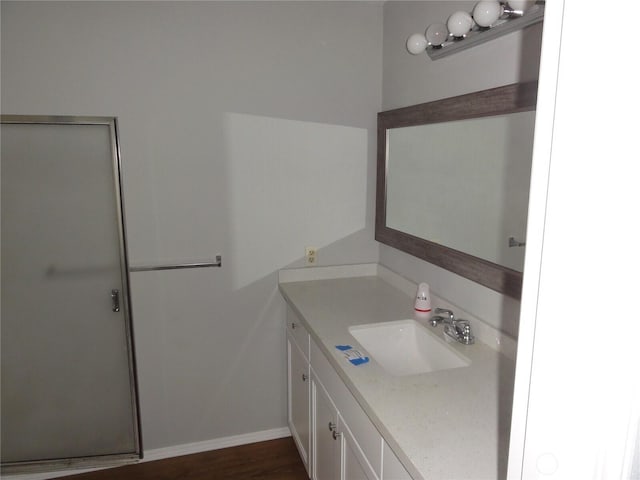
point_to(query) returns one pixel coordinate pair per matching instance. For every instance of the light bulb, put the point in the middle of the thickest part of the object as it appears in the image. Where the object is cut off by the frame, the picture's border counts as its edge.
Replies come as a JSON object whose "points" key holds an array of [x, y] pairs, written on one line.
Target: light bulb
{"points": [[486, 13], [459, 23], [521, 5], [416, 43], [436, 34]]}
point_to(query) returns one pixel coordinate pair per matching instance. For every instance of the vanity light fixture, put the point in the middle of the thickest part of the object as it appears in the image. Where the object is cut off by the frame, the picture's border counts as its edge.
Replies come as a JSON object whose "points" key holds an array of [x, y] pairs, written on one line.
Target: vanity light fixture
{"points": [[488, 21]]}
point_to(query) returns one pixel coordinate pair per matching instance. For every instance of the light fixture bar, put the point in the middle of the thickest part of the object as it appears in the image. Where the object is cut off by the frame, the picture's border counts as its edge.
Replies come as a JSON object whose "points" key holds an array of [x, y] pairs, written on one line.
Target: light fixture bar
{"points": [[478, 36]]}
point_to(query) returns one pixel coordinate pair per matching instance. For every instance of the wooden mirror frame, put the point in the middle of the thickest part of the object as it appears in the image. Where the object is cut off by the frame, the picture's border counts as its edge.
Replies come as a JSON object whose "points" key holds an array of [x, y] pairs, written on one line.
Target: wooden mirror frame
{"points": [[514, 98]]}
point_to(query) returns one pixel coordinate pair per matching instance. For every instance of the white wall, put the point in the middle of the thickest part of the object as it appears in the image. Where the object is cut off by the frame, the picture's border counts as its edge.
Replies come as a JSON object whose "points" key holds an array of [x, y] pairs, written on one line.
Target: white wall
{"points": [[577, 397], [409, 80], [194, 86]]}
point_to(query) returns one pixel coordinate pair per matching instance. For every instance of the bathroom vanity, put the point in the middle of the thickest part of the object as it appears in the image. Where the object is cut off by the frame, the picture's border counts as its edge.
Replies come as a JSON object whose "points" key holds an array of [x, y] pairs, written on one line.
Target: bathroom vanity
{"points": [[361, 421]]}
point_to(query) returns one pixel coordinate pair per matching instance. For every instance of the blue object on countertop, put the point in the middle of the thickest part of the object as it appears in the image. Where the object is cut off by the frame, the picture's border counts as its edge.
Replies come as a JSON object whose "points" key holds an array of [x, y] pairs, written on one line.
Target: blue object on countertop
{"points": [[354, 356], [359, 361]]}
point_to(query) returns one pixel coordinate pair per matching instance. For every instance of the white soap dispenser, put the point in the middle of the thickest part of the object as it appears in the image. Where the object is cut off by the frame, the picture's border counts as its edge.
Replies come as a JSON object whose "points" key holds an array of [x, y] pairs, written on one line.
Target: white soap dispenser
{"points": [[422, 306]]}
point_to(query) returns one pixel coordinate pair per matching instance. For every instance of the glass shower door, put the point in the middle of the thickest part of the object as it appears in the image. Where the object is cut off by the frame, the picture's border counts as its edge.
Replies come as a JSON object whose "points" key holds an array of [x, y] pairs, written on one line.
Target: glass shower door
{"points": [[68, 382]]}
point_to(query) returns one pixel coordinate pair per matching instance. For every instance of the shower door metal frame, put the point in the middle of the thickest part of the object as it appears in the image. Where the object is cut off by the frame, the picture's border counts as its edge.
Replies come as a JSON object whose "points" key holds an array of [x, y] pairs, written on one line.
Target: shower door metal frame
{"points": [[125, 299]]}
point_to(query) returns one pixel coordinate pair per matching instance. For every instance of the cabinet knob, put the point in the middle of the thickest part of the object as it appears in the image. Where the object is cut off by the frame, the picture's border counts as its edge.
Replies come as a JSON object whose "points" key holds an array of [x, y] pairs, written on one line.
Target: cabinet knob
{"points": [[332, 427], [293, 326], [336, 434], [304, 377]]}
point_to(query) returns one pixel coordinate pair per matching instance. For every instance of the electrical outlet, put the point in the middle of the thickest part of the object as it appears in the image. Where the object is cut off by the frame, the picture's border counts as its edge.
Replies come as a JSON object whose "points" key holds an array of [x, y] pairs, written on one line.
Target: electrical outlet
{"points": [[311, 255]]}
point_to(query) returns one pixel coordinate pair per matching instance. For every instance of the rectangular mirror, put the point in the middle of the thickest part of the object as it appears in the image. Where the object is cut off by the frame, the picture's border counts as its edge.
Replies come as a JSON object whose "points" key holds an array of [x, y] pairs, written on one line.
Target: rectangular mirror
{"points": [[453, 182]]}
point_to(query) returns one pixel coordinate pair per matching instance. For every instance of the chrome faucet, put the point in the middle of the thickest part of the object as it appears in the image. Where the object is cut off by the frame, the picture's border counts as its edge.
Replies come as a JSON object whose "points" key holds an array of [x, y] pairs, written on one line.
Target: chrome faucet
{"points": [[459, 330]]}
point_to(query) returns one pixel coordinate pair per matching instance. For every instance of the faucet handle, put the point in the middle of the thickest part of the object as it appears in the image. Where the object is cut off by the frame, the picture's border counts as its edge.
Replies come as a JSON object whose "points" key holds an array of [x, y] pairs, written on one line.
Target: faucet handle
{"points": [[465, 332], [436, 320], [448, 312]]}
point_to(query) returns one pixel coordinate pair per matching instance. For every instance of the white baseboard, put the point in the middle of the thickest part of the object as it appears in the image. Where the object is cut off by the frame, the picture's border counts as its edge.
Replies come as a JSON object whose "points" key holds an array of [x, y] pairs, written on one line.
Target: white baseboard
{"points": [[215, 444], [169, 452]]}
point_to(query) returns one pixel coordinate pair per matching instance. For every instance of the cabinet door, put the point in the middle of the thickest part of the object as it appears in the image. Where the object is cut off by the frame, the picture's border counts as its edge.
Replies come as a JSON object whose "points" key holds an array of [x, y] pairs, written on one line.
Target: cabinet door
{"points": [[327, 444], [354, 464], [298, 411]]}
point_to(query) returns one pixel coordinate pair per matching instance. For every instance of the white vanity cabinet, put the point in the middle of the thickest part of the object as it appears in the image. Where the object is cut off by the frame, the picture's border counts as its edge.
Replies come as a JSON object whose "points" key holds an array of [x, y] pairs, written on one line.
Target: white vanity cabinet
{"points": [[334, 436], [392, 427], [299, 386], [358, 443], [336, 454]]}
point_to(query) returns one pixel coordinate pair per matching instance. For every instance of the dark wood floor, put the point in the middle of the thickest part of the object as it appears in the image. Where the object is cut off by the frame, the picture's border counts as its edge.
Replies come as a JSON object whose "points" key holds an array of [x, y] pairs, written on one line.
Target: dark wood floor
{"points": [[271, 460]]}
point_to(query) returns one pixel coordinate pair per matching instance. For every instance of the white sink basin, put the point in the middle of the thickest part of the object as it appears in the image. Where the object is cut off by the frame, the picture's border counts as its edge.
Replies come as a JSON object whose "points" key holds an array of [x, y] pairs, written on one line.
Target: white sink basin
{"points": [[405, 347]]}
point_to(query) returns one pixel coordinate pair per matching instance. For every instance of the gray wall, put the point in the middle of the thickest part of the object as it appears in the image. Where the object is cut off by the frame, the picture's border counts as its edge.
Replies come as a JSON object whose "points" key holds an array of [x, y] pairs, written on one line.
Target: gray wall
{"points": [[187, 80], [408, 80], [184, 78]]}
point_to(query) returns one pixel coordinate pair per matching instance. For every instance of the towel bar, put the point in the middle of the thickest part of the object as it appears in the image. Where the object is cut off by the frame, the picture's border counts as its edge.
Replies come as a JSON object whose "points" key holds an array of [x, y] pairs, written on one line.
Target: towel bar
{"points": [[178, 266]]}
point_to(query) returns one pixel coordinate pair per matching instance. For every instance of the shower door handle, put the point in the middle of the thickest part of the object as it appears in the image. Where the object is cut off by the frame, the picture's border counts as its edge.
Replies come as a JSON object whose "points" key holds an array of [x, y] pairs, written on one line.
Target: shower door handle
{"points": [[115, 300]]}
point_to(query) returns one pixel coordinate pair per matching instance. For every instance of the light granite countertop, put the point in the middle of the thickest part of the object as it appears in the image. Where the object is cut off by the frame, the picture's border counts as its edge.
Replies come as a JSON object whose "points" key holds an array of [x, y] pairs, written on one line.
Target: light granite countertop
{"points": [[450, 424]]}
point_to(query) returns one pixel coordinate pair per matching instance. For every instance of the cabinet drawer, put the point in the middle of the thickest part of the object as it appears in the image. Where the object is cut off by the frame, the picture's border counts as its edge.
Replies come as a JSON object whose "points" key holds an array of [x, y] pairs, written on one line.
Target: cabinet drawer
{"points": [[368, 437], [298, 332]]}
